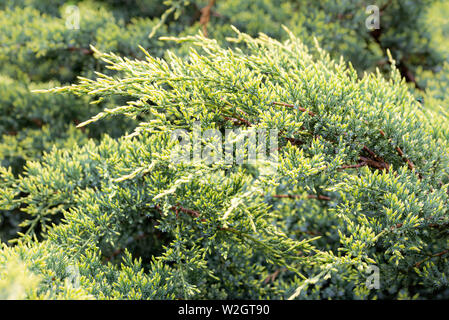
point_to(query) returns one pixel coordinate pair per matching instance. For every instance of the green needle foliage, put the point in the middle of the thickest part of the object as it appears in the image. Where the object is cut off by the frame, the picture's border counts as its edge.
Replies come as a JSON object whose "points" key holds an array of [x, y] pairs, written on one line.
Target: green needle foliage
{"points": [[360, 180], [94, 205], [37, 49]]}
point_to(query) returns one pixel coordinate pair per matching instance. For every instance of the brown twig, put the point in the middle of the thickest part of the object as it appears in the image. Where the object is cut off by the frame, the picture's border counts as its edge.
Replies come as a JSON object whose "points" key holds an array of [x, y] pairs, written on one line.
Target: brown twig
{"points": [[239, 121], [293, 106], [376, 161], [402, 67], [120, 250], [190, 212], [310, 196], [205, 16], [38, 122], [295, 142], [319, 197], [381, 165], [439, 254], [410, 164]]}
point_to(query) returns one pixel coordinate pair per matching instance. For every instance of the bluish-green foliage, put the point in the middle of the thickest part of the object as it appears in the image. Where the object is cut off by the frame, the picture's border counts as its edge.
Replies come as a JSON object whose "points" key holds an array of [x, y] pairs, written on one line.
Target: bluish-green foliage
{"points": [[96, 207]]}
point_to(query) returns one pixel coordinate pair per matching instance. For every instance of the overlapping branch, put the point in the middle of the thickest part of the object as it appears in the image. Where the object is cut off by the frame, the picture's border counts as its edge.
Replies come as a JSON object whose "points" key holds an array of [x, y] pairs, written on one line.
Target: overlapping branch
{"points": [[373, 160]]}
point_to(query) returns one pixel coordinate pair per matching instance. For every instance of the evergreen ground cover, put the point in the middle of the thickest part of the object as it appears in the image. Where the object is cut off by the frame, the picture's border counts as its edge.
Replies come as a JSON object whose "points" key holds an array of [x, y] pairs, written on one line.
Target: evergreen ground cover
{"points": [[223, 150]]}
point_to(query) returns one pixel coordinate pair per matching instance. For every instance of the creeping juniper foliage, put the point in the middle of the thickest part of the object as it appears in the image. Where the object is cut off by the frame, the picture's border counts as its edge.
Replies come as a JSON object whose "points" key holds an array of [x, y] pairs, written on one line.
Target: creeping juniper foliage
{"points": [[96, 204]]}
